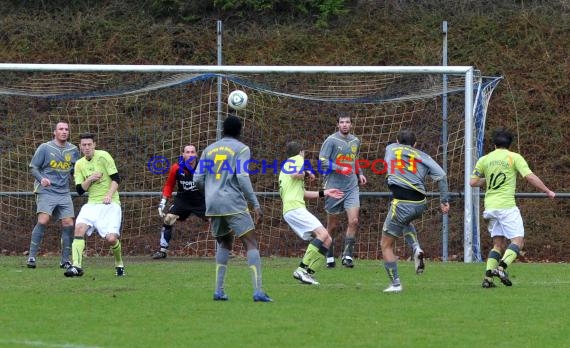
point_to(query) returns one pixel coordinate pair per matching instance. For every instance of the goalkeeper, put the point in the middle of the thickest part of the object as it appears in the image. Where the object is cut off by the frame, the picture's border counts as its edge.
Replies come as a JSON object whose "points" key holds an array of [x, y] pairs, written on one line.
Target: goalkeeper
{"points": [[189, 200]]}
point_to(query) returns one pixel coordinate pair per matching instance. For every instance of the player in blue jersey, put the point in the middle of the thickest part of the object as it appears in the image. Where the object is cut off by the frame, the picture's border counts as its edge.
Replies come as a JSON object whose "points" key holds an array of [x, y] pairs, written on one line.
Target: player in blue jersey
{"points": [[497, 173], [407, 170], [220, 174], [51, 166], [338, 156]]}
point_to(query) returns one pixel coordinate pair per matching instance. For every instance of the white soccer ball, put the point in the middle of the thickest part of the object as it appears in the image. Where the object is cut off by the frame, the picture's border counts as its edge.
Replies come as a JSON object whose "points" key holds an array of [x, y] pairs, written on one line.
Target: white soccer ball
{"points": [[237, 100]]}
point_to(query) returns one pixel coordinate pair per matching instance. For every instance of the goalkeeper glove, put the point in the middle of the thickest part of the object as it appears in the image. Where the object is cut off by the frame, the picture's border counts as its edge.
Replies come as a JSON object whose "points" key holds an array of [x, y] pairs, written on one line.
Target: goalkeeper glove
{"points": [[161, 207]]}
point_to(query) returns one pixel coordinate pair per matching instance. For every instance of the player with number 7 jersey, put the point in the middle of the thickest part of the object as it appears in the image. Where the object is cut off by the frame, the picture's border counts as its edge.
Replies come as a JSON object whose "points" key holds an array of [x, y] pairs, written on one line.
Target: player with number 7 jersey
{"points": [[228, 191]]}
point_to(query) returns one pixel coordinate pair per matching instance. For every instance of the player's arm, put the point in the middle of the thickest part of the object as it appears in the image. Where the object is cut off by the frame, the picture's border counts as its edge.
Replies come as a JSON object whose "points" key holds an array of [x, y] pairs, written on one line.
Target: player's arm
{"points": [[113, 187], [478, 176], [438, 174], [359, 172], [170, 182], [535, 181], [168, 188], [332, 192], [325, 154], [82, 183], [36, 163]]}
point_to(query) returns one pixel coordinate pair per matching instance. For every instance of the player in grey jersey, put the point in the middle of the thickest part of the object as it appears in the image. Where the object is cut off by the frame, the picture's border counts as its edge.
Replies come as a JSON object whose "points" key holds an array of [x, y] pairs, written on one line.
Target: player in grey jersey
{"points": [[338, 156], [51, 166], [406, 173], [220, 174]]}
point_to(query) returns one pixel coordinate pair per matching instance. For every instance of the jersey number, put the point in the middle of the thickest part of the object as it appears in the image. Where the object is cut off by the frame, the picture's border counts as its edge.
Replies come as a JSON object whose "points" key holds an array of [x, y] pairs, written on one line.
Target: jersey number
{"points": [[411, 167], [218, 161], [496, 181]]}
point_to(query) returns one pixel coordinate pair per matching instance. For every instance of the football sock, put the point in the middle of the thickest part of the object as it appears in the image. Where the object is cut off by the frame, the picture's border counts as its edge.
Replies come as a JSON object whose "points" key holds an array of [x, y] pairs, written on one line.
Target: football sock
{"points": [[314, 257], [510, 255], [66, 240], [37, 236], [254, 263], [330, 252], [117, 253], [77, 250], [492, 261], [412, 240], [392, 271], [165, 236], [348, 246], [222, 257]]}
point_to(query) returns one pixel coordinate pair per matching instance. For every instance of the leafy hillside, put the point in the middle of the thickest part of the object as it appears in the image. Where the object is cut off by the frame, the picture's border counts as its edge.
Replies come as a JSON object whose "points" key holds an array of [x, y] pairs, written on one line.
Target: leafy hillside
{"points": [[527, 42]]}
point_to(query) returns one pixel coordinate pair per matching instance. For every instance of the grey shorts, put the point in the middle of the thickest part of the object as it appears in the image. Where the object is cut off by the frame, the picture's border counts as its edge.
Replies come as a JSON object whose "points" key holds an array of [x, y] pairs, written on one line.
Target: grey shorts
{"points": [[351, 199], [240, 224], [58, 206], [400, 216]]}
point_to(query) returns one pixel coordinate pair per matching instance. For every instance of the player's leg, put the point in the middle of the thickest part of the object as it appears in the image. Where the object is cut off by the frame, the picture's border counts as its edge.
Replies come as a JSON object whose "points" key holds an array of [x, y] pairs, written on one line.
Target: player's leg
{"points": [[332, 227], [116, 248], [512, 252], [37, 237], [333, 208], [108, 225], [350, 237], [77, 247], [398, 218], [309, 228], [411, 237], [390, 262], [44, 210], [65, 212], [514, 231], [165, 236], [351, 203], [66, 241], [224, 241], [314, 258], [499, 244], [243, 227]]}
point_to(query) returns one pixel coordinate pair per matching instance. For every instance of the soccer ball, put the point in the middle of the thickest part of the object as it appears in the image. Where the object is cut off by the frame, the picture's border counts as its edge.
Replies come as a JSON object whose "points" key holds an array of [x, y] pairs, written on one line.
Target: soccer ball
{"points": [[237, 100]]}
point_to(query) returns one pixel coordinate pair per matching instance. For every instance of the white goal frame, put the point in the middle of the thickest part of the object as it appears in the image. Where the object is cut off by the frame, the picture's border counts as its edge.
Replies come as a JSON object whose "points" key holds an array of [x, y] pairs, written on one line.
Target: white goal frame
{"points": [[469, 223]]}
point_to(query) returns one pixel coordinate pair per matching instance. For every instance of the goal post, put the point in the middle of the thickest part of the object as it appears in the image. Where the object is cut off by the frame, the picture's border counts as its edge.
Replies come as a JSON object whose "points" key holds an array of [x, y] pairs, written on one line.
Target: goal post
{"points": [[156, 109]]}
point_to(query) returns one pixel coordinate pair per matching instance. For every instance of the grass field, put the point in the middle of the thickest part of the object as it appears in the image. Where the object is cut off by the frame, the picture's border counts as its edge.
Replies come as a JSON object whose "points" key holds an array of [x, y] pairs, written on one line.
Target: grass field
{"points": [[168, 303]]}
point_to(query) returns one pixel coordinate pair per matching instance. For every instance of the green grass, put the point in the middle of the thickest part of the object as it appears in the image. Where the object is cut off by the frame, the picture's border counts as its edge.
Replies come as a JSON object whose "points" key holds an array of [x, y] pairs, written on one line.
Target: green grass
{"points": [[169, 304]]}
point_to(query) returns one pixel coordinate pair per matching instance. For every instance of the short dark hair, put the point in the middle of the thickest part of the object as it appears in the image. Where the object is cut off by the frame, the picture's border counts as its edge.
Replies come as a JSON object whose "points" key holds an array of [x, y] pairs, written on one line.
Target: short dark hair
{"points": [[55, 125], [232, 126], [293, 148], [502, 138], [342, 115], [406, 137], [87, 136]]}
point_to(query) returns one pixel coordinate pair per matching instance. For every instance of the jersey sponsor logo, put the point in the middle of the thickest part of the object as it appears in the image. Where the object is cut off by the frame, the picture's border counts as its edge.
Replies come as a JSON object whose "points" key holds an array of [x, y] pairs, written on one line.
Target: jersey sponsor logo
{"points": [[61, 165], [188, 185]]}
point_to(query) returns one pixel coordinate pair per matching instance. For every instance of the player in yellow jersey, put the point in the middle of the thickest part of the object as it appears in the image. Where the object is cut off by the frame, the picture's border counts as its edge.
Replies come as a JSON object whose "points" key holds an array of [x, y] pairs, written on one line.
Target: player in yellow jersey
{"points": [[96, 174], [497, 173], [301, 221]]}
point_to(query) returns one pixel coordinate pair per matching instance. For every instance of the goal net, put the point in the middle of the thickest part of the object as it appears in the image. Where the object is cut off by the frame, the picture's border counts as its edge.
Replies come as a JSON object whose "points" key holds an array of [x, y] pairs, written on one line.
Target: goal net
{"points": [[143, 118]]}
